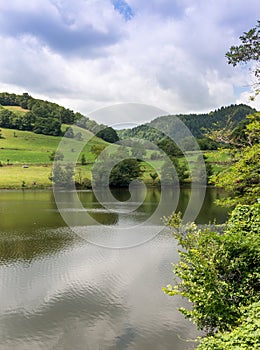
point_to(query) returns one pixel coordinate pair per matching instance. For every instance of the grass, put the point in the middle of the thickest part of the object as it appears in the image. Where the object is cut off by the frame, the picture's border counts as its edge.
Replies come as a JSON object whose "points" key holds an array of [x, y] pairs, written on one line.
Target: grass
{"points": [[18, 148], [13, 176], [16, 109], [24, 147]]}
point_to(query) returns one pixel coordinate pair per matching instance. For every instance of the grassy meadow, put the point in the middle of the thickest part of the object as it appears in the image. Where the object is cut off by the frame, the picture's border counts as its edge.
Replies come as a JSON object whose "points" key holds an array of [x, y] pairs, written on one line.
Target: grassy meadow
{"points": [[25, 157], [23, 148]]}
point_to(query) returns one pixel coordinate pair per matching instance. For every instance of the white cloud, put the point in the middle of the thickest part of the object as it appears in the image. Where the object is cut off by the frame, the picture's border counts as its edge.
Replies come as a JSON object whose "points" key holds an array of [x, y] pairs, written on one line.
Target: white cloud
{"points": [[85, 55]]}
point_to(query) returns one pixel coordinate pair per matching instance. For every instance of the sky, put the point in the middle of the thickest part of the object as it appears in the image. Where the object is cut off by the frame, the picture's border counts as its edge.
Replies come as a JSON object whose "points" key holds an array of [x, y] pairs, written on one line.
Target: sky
{"points": [[88, 55]]}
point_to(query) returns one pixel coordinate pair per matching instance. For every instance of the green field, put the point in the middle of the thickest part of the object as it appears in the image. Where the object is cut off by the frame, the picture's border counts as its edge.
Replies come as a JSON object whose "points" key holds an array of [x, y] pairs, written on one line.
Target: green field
{"points": [[24, 147], [20, 148]]}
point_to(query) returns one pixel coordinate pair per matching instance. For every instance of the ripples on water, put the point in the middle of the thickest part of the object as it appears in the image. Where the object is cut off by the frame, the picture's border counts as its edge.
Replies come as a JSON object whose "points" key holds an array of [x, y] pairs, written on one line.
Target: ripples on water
{"points": [[58, 291]]}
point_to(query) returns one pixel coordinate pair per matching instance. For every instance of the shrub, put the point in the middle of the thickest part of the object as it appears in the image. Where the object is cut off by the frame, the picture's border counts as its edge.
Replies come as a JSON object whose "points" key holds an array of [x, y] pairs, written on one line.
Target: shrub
{"points": [[218, 273]]}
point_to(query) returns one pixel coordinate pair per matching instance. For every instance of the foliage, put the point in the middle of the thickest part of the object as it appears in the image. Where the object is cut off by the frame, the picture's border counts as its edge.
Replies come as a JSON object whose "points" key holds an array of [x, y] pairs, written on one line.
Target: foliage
{"points": [[123, 169], [83, 160], [243, 337], [138, 150], [198, 124], [173, 173], [218, 273], [248, 50], [241, 179], [155, 156], [153, 176], [169, 147], [62, 175], [97, 149], [108, 134], [207, 144], [45, 117], [69, 133], [125, 172], [201, 175]]}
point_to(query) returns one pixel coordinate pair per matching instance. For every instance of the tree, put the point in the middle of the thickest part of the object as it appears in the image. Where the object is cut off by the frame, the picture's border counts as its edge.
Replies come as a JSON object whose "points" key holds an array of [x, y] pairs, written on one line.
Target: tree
{"points": [[120, 169], [78, 136], [171, 177], [108, 134], [62, 175], [138, 151], [218, 272], [169, 147], [124, 173], [199, 175], [83, 160], [69, 133], [248, 50], [242, 178]]}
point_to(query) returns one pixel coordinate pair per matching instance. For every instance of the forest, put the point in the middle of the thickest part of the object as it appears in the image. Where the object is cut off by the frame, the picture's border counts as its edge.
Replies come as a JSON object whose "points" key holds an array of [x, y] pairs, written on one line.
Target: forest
{"points": [[44, 117]]}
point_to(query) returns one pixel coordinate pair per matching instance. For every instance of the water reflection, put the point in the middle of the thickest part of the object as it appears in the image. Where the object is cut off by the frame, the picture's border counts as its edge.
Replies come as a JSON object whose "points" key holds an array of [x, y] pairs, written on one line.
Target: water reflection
{"points": [[91, 298], [57, 291]]}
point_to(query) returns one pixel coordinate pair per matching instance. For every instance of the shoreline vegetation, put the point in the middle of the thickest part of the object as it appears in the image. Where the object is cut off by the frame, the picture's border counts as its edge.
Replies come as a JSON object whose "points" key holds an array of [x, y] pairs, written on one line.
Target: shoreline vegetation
{"points": [[37, 176]]}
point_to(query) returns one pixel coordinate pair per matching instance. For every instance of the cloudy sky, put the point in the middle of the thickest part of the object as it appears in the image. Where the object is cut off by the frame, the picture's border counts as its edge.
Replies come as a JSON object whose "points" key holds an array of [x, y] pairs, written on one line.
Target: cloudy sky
{"points": [[89, 54]]}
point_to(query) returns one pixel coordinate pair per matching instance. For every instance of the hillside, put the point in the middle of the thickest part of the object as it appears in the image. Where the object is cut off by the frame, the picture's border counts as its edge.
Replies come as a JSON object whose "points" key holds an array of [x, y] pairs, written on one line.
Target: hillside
{"points": [[198, 124], [23, 112], [25, 157]]}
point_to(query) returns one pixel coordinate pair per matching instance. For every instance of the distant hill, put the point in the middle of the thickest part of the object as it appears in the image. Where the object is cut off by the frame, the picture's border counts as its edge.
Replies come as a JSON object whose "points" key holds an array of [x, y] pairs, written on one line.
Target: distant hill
{"points": [[23, 112], [198, 124]]}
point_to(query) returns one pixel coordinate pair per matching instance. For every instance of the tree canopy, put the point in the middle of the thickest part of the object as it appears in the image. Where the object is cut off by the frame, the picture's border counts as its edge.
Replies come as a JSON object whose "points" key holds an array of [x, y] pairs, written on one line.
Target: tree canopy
{"points": [[248, 50], [44, 117], [242, 178]]}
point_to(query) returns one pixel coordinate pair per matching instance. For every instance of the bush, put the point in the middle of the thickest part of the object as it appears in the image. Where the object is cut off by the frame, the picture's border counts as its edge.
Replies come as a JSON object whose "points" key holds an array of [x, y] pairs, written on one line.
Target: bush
{"points": [[245, 336], [218, 273]]}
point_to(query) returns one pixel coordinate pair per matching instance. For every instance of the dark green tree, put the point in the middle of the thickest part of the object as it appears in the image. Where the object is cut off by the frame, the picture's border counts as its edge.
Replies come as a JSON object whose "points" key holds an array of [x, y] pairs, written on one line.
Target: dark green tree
{"points": [[172, 172], [169, 147], [83, 160], [108, 134], [125, 172]]}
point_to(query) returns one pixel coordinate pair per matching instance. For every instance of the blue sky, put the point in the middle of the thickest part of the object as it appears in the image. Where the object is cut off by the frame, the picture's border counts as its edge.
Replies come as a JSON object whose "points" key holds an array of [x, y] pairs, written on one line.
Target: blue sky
{"points": [[89, 54]]}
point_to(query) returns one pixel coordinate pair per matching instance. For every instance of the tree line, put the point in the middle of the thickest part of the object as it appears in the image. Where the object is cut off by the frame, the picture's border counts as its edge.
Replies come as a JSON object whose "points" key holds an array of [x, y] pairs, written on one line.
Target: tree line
{"points": [[198, 124], [44, 117]]}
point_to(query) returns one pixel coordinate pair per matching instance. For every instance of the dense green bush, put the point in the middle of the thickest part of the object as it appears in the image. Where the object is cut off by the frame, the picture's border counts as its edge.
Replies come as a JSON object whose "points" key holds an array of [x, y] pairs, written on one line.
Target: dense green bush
{"points": [[218, 273], [244, 337]]}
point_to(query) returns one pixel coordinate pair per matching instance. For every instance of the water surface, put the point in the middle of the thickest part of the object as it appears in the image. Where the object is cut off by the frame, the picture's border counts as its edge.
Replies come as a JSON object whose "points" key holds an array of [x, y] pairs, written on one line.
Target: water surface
{"points": [[58, 291]]}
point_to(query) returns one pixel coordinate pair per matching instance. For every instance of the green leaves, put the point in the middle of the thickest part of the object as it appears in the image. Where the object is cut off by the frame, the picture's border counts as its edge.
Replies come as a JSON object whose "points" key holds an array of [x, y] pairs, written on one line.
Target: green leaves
{"points": [[242, 178], [217, 272], [249, 50], [245, 336]]}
